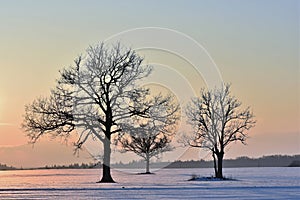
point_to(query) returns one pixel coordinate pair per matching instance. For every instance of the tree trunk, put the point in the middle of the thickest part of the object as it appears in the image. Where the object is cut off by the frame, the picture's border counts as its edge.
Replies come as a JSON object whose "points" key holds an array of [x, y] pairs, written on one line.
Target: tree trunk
{"points": [[215, 164], [106, 176], [147, 164], [220, 165]]}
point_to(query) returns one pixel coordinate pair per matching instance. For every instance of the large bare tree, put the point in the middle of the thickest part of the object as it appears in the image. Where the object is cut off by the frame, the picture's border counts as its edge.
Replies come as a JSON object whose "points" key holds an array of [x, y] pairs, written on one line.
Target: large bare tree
{"points": [[94, 96], [150, 135], [218, 120]]}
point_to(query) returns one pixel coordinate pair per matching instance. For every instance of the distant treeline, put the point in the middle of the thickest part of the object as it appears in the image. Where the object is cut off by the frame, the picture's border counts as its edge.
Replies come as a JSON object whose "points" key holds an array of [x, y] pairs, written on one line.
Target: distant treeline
{"points": [[5, 167], [72, 166], [265, 161]]}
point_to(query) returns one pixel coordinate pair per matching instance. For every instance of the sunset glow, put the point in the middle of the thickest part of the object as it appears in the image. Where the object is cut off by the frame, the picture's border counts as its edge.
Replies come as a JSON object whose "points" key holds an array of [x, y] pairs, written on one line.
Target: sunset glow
{"points": [[255, 45]]}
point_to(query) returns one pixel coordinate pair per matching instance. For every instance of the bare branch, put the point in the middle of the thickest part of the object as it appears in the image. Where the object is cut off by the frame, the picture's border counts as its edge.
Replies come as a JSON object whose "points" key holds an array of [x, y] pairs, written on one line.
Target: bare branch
{"points": [[217, 120]]}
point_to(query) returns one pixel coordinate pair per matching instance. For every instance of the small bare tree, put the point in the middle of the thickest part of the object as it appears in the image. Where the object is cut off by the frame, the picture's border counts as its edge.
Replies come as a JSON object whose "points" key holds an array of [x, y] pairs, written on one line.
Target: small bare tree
{"points": [[150, 135], [94, 96], [218, 120]]}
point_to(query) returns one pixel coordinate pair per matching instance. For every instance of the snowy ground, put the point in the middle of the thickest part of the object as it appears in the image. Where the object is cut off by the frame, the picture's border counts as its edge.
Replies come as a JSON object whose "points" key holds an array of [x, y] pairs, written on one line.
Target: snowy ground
{"points": [[250, 183]]}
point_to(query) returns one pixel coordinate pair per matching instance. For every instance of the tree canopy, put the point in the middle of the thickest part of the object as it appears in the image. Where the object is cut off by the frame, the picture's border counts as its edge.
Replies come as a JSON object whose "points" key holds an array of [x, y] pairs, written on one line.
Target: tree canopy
{"points": [[95, 95], [218, 120]]}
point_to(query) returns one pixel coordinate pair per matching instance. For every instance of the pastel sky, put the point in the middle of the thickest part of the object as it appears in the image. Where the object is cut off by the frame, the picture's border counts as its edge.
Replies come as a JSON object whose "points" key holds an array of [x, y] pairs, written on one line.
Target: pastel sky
{"points": [[254, 43]]}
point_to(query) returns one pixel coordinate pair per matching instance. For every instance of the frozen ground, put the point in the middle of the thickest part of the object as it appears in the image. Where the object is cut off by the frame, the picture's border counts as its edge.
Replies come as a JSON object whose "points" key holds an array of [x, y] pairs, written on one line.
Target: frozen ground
{"points": [[251, 183]]}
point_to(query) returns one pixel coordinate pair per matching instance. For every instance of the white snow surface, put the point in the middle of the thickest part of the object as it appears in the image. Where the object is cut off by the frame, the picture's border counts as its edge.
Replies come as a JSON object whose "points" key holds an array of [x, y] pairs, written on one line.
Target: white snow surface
{"points": [[249, 183]]}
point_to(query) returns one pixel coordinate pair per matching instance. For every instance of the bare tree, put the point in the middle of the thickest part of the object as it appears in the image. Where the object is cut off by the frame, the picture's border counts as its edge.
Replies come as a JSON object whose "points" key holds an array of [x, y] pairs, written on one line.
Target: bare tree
{"points": [[150, 135], [94, 96], [218, 120]]}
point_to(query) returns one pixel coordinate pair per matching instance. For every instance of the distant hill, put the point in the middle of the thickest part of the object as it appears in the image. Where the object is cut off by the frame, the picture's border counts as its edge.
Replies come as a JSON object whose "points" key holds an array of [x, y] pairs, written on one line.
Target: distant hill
{"points": [[295, 163]]}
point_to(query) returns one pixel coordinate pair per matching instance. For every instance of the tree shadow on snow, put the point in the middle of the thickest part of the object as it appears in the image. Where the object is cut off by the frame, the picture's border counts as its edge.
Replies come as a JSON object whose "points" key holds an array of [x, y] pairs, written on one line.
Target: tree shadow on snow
{"points": [[211, 178], [145, 173]]}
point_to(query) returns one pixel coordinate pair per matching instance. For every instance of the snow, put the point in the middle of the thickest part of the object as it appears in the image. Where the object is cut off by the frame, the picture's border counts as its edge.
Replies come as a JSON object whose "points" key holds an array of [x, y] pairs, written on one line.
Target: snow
{"points": [[248, 183]]}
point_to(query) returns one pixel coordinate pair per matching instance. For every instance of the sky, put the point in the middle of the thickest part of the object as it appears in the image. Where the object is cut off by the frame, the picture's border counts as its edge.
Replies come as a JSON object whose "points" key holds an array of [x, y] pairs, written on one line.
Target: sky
{"points": [[254, 44]]}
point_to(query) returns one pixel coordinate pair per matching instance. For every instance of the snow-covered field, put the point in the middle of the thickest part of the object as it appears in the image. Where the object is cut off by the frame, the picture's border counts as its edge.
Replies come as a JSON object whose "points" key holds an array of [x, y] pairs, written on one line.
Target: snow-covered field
{"points": [[250, 183]]}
